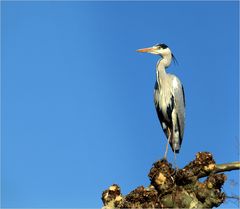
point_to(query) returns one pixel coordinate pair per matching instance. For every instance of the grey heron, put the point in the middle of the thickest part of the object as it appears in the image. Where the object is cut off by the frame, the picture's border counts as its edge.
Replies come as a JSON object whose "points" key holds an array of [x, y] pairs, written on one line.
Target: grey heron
{"points": [[169, 98]]}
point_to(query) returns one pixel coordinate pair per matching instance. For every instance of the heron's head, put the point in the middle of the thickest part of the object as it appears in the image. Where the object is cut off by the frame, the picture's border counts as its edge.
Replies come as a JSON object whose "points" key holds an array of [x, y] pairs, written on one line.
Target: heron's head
{"points": [[159, 49]]}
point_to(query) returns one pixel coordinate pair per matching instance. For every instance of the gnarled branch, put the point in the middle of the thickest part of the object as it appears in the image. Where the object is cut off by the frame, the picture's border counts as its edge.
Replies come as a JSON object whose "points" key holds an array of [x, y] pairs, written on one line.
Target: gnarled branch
{"points": [[171, 188], [227, 167]]}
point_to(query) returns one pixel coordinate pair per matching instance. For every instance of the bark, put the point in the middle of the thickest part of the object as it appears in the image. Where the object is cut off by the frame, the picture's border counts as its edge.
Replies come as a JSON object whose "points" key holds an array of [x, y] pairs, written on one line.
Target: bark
{"points": [[176, 188]]}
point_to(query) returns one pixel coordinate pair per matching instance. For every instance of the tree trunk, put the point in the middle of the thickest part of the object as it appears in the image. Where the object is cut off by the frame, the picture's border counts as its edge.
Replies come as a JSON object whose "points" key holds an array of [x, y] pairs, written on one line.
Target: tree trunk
{"points": [[171, 188]]}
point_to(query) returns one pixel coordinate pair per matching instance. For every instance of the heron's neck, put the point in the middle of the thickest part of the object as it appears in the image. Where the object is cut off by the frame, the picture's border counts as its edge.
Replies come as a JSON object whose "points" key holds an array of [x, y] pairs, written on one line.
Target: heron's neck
{"points": [[163, 64]]}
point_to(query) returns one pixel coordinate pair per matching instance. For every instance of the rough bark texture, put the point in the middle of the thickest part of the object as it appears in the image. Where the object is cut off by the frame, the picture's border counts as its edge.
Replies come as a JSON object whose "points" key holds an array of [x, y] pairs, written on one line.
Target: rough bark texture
{"points": [[171, 188]]}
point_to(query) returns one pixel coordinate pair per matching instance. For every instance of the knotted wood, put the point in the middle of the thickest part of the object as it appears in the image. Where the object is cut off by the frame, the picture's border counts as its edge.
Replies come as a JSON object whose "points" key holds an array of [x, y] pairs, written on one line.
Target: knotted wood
{"points": [[171, 188]]}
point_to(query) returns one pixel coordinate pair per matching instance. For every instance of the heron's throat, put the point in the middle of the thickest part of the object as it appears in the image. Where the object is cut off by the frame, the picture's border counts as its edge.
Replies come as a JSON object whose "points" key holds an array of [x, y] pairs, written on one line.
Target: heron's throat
{"points": [[165, 61]]}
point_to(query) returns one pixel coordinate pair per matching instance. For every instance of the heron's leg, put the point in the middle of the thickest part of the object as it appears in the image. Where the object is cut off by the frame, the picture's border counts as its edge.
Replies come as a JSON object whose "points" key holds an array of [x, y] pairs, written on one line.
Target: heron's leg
{"points": [[175, 160], [165, 155], [166, 151]]}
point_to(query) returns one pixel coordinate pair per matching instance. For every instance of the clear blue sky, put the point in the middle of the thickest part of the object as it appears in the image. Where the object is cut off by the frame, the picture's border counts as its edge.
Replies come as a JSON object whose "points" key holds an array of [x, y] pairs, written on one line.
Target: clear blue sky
{"points": [[77, 99]]}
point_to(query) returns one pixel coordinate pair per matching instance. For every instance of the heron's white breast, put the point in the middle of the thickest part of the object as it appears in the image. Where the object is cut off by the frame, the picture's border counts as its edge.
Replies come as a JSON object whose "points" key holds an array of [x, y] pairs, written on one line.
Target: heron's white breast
{"points": [[175, 83]]}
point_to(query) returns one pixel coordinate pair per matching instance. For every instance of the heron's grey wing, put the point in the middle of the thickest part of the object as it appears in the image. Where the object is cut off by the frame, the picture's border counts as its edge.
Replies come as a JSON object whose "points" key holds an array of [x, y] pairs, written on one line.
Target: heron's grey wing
{"points": [[179, 98], [163, 121]]}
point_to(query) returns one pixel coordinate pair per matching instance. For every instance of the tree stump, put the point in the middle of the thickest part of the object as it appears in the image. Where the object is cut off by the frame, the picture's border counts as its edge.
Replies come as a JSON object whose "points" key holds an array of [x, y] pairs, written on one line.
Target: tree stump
{"points": [[171, 188]]}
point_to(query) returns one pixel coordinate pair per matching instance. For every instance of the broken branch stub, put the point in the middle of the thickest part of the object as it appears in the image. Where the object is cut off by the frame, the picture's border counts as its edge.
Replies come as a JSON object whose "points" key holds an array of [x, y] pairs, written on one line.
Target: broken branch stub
{"points": [[171, 188]]}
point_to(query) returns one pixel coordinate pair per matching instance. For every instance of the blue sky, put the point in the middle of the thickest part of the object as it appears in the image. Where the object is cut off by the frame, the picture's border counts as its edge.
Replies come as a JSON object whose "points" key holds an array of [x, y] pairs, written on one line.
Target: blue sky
{"points": [[77, 100]]}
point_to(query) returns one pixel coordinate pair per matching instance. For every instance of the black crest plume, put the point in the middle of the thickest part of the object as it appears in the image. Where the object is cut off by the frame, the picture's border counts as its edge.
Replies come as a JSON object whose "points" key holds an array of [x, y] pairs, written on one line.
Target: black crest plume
{"points": [[174, 59], [164, 46]]}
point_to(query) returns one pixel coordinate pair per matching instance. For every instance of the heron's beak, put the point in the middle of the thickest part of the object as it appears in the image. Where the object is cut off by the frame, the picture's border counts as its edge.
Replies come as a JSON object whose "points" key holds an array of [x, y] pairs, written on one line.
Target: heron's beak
{"points": [[148, 50]]}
